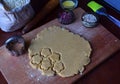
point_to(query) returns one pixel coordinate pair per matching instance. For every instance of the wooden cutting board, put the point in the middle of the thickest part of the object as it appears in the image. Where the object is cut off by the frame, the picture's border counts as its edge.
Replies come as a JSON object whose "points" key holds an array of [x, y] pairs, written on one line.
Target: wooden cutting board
{"points": [[18, 71]]}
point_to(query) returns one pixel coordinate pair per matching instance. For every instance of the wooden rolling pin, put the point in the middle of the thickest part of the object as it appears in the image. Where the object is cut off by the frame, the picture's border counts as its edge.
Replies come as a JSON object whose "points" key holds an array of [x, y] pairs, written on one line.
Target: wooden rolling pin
{"points": [[44, 11]]}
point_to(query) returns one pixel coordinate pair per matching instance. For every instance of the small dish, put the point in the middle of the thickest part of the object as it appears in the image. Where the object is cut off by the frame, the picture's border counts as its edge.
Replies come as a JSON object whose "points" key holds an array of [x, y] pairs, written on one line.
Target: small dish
{"points": [[90, 20]]}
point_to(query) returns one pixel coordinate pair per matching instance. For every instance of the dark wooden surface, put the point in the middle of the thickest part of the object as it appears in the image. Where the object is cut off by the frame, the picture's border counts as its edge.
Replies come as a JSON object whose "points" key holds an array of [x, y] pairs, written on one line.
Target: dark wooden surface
{"points": [[106, 73]]}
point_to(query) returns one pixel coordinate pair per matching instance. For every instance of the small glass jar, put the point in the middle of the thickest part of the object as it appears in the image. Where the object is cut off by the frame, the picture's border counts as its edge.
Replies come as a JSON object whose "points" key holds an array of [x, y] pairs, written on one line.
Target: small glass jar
{"points": [[68, 4]]}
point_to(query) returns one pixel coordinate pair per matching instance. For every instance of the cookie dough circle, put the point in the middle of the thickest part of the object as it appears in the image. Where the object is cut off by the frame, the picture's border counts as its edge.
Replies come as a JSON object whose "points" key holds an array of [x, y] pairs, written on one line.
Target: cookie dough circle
{"points": [[73, 51]]}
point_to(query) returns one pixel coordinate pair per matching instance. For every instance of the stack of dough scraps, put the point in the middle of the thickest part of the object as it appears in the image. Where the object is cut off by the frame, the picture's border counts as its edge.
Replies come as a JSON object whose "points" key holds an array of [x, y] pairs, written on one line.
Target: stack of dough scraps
{"points": [[55, 50]]}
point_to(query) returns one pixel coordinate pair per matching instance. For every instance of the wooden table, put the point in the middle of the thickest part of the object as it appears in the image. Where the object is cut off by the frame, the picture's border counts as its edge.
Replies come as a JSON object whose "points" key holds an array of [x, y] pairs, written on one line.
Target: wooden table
{"points": [[106, 73]]}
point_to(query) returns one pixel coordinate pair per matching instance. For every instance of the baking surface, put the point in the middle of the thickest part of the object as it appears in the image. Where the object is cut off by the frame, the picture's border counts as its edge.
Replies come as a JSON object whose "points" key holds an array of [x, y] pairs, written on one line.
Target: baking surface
{"points": [[18, 71]]}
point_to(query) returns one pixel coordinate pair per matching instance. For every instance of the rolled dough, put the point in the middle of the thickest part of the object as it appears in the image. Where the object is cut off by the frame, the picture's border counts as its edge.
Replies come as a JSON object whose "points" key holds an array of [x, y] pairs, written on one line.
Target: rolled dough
{"points": [[55, 50]]}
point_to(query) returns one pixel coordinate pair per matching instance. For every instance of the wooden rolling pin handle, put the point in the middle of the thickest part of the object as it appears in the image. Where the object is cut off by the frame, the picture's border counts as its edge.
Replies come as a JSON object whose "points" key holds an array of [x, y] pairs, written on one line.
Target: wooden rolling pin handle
{"points": [[45, 10]]}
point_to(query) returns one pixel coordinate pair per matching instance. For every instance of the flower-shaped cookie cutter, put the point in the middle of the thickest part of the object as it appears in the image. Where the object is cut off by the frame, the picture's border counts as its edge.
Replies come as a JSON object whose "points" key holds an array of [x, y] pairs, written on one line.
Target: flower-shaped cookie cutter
{"points": [[15, 45]]}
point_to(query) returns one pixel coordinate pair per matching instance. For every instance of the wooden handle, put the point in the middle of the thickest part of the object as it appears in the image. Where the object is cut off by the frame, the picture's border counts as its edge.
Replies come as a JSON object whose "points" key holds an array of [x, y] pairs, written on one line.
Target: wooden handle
{"points": [[45, 10]]}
